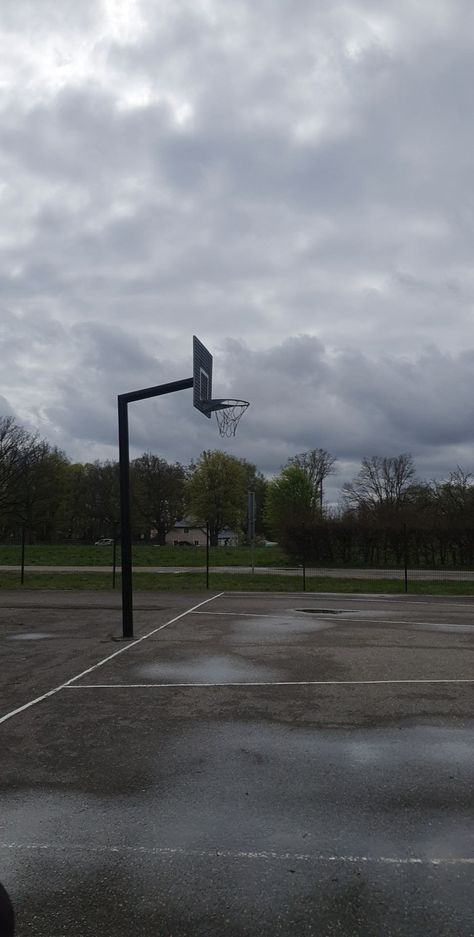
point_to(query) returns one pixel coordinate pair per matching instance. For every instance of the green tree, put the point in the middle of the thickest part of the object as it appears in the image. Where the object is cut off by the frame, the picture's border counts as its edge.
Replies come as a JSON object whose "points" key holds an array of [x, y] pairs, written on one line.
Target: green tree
{"points": [[216, 492], [90, 505], [289, 501], [158, 494], [72, 518], [317, 464], [102, 499]]}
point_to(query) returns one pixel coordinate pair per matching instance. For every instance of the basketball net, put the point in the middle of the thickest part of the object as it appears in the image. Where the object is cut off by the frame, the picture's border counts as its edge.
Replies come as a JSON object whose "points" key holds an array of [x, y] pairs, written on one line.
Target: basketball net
{"points": [[228, 415]]}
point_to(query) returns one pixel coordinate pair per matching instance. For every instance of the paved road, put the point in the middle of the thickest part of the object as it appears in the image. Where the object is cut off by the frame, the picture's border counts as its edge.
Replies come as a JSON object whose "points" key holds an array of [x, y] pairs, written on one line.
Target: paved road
{"points": [[341, 573]]}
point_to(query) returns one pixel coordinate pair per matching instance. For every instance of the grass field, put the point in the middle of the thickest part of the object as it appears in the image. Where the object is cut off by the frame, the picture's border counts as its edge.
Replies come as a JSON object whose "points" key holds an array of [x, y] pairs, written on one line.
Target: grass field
{"points": [[220, 582], [149, 555], [146, 555]]}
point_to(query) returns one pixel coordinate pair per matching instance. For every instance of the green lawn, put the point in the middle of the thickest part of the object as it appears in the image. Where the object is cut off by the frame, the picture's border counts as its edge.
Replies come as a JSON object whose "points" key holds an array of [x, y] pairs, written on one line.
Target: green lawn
{"points": [[220, 582], [146, 555]]}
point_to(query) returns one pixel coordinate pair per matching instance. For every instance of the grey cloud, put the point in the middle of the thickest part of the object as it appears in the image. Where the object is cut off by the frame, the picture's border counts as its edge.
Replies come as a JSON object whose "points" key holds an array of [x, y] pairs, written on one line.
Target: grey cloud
{"points": [[225, 246], [43, 16], [317, 187], [109, 350], [5, 408], [354, 404], [301, 395]]}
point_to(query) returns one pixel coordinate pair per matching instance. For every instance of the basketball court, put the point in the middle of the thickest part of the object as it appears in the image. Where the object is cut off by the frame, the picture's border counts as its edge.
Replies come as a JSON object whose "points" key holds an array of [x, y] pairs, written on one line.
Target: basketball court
{"points": [[252, 764]]}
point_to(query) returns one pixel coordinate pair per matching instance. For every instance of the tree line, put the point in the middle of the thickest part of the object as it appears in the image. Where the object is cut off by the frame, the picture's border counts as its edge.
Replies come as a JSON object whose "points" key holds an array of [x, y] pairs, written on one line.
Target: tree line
{"points": [[384, 510], [386, 516], [54, 499]]}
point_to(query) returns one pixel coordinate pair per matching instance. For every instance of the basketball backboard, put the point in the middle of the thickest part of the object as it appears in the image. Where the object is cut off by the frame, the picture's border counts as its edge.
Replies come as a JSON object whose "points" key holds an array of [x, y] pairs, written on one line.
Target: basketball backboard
{"points": [[202, 377]]}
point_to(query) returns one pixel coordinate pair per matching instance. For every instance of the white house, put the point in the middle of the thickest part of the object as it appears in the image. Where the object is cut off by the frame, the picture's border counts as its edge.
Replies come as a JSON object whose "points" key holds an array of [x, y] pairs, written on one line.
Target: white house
{"points": [[189, 533]]}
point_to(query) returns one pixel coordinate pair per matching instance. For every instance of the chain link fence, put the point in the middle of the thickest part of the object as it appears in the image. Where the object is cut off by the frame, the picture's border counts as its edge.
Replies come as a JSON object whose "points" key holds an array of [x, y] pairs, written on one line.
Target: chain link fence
{"points": [[355, 559]]}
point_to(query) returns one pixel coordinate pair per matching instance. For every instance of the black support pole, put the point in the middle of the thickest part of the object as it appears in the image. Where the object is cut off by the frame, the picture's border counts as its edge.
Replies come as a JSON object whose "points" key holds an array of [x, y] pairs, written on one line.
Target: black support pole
{"points": [[125, 523], [114, 556], [125, 518]]}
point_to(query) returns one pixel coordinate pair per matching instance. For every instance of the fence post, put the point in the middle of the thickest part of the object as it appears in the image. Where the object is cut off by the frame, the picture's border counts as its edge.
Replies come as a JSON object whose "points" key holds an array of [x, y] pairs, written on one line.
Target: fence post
{"points": [[114, 555], [251, 527], [207, 555], [304, 572], [22, 578], [405, 555]]}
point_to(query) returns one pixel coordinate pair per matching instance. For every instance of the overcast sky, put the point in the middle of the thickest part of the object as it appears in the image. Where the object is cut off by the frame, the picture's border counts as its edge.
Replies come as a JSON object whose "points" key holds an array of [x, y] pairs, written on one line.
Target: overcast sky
{"points": [[291, 180]]}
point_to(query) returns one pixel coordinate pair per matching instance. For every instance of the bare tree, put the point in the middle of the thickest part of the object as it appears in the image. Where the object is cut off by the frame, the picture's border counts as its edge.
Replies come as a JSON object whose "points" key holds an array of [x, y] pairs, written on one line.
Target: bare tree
{"points": [[454, 497], [381, 482], [15, 443], [41, 487], [317, 464]]}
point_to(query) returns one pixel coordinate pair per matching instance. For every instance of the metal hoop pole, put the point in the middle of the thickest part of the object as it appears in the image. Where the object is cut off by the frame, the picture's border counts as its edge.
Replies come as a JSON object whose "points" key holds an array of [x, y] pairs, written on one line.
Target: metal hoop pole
{"points": [[125, 520]]}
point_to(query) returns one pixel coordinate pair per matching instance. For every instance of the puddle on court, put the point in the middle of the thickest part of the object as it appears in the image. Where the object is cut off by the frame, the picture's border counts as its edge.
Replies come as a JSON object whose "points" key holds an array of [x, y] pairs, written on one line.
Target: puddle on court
{"points": [[207, 669], [230, 784], [364, 791], [448, 628], [29, 636], [326, 611], [278, 630]]}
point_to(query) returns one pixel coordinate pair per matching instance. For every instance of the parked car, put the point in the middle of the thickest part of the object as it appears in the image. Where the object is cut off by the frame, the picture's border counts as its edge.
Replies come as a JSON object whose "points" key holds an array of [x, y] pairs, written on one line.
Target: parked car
{"points": [[103, 542]]}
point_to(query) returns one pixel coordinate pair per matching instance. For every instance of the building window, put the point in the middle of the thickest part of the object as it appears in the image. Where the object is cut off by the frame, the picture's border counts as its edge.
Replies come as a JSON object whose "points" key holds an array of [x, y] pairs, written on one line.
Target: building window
{"points": [[196, 543], [185, 530]]}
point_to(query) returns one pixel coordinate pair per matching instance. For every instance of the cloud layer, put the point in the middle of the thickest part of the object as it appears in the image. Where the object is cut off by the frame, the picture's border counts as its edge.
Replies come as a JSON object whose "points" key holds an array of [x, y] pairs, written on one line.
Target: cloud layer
{"points": [[292, 184]]}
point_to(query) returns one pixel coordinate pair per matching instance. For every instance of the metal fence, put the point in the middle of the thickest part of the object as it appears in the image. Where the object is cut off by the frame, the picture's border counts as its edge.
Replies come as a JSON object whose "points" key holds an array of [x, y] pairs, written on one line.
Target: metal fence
{"points": [[410, 562], [314, 578]]}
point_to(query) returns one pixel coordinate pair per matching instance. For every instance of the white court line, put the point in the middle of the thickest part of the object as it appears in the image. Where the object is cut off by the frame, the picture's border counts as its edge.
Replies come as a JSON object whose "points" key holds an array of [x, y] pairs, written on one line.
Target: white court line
{"points": [[239, 854], [250, 614], [144, 686], [105, 660], [397, 598], [336, 617]]}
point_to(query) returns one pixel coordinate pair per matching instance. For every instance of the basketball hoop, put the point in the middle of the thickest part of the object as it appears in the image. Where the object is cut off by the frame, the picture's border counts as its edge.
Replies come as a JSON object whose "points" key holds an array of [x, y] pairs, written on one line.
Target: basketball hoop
{"points": [[228, 414]]}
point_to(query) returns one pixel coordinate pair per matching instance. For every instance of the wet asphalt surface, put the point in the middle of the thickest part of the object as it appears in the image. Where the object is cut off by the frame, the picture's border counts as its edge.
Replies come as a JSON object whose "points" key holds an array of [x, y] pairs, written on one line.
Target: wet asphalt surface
{"points": [[237, 772]]}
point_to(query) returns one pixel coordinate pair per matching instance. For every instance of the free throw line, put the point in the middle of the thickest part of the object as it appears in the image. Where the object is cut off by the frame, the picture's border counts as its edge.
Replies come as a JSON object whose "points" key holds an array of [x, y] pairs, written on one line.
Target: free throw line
{"points": [[162, 686], [336, 616], [100, 663], [398, 598]]}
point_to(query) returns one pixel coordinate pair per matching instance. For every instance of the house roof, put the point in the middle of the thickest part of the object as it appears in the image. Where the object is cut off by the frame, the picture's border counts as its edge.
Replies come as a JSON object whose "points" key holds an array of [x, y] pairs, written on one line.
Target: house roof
{"points": [[191, 524], [188, 522]]}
